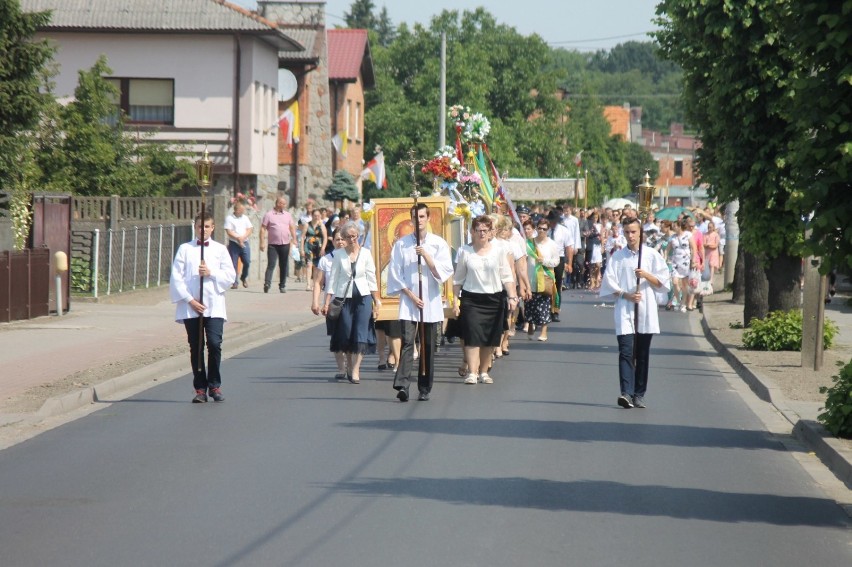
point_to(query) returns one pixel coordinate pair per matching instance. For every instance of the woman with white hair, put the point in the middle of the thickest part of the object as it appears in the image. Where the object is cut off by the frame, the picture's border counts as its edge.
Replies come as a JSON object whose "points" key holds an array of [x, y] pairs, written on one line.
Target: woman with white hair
{"points": [[353, 277]]}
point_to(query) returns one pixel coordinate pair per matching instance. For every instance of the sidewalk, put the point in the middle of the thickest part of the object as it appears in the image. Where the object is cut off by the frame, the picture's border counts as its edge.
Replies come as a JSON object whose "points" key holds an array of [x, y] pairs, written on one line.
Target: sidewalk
{"points": [[128, 342]]}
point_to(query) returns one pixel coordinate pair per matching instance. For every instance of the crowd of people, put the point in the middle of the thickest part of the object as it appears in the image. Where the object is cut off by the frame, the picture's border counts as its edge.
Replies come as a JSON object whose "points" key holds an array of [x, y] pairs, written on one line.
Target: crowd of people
{"points": [[507, 279]]}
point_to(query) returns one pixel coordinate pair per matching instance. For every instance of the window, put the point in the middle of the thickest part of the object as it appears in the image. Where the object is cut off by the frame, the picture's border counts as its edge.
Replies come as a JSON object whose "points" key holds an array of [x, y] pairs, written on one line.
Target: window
{"points": [[356, 133], [678, 168], [347, 117], [146, 101]]}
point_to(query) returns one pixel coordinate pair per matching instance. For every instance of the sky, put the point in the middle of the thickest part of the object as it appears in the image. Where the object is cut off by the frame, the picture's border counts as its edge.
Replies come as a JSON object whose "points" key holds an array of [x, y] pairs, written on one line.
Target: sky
{"points": [[572, 24]]}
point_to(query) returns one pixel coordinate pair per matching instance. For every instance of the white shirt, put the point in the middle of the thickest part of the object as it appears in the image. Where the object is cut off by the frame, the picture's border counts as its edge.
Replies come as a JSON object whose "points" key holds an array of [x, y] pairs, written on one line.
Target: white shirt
{"points": [[240, 225], [341, 270], [324, 265], [482, 274], [573, 225], [620, 276], [518, 239], [549, 258], [402, 274], [560, 235], [185, 283]]}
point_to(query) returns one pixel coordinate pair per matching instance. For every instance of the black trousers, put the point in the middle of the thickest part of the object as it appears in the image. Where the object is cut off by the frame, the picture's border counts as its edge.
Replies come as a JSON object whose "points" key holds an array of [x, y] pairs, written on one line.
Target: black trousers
{"points": [[281, 252], [406, 364], [207, 375], [558, 276]]}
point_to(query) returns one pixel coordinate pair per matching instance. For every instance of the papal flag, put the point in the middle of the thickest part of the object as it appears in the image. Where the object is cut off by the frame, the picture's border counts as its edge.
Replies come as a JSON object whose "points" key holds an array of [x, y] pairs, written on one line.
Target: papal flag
{"points": [[375, 171], [288, 124], [340, 142]]}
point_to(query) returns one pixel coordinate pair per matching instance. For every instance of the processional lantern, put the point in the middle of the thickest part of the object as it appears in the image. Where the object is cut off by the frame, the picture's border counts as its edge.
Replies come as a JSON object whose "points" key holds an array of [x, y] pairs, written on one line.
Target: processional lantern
{"points": [[204, 171], [646, 194]]}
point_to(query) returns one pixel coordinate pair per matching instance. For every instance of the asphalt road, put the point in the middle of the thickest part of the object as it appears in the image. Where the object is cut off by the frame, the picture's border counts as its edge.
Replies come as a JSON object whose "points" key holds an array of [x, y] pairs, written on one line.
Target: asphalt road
{"points": [[541, 468]]}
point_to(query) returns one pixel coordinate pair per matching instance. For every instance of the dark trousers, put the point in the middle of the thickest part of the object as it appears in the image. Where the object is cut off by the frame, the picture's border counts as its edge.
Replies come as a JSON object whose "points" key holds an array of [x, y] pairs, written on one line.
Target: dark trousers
{"points": [[558, 276], [207, 376], [281, 252], [242, 253], [406, 363], [633, 381]]}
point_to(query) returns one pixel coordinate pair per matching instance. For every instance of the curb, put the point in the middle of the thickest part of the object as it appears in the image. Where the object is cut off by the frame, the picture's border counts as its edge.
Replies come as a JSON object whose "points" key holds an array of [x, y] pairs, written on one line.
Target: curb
{"points": [[809, 432], [164, 370]]}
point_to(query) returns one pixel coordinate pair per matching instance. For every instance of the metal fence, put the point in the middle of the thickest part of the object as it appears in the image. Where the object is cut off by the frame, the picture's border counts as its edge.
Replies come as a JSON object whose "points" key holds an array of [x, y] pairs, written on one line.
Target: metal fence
{"points": [[116, 260]]}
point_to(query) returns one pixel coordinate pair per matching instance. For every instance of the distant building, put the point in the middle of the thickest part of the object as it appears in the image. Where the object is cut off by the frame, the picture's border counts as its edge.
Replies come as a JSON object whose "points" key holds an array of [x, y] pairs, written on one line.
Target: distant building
{"points": [[674, 152]]}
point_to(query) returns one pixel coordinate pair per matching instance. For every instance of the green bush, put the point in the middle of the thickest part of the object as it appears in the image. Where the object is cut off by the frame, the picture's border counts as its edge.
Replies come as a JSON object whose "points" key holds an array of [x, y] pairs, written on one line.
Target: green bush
{"points": [[782, 330], [837, 417]]}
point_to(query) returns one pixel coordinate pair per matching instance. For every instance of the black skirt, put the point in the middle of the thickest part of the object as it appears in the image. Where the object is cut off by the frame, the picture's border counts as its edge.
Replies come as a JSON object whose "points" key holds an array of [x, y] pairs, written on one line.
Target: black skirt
{"points": [[483, 317]]}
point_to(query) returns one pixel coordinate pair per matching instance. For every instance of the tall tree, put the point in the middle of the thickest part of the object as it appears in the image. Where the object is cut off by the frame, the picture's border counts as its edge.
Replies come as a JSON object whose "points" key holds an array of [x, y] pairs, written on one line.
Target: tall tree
{"points": [[385, 30], [23, 62], [360, 15], [819, 33], [737, 93]]}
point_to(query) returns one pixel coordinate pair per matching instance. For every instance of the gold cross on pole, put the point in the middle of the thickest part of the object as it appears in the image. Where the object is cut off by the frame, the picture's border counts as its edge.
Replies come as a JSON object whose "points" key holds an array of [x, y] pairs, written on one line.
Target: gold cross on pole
{"points": [[411, 163]]}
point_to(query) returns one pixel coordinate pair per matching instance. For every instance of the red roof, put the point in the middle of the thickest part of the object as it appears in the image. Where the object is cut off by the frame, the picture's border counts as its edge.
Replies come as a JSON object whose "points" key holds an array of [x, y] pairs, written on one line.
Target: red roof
{"points": [[348, 55]]}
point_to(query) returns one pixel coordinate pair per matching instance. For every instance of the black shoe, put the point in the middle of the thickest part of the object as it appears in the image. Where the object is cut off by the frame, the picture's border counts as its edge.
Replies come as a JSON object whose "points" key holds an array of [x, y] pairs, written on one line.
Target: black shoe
{"points": [[423, 397], [402, 395], [555, 318], [266, 288], [391, 366], [624, 401], [639, 402], [341, 376], [200, 397], [216, 395], [382, 367]]}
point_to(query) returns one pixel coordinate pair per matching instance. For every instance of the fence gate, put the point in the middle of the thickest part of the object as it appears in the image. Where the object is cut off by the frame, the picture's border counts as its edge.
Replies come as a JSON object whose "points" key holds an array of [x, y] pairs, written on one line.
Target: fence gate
{"points": [[52, 230]]}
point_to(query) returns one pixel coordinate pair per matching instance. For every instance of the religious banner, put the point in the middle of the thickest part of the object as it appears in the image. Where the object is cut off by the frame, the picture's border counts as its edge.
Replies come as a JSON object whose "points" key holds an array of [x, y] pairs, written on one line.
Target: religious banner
{"points": [[391, 220]]}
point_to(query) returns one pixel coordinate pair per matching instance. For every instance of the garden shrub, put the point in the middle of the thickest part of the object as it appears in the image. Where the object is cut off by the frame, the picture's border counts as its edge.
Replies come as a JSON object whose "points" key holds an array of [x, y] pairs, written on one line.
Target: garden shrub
{"points": [[837, 417], [782, 330]]}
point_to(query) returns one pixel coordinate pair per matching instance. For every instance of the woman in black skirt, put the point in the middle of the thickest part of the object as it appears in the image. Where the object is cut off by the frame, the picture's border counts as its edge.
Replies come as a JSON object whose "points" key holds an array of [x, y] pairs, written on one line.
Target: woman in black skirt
{"points": [[485, 277], [353, 277]]}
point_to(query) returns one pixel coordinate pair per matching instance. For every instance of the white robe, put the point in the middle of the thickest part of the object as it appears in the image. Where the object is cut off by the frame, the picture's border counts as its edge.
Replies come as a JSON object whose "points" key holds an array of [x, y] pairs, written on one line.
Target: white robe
{"points": [[402, 274], [620, 276], [185, 282]]}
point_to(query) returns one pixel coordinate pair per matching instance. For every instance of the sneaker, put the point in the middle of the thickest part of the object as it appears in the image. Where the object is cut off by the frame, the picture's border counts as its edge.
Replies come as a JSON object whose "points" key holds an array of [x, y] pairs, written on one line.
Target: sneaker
{"points": [[423, 397], [624, 401], [282, 290], [200, 397], [216, 395], [683, 308], [485, 378], [639, 402], [471, 379], [402, 395]]}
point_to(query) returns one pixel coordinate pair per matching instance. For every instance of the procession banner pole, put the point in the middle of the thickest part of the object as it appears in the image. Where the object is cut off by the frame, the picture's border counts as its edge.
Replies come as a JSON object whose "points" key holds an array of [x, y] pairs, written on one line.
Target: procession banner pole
{"points": [[204, 176], [415, 194]]}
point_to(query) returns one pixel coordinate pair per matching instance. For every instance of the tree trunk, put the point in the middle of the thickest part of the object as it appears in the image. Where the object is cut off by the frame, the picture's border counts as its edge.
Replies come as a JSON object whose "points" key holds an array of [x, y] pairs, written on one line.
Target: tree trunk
{"points": [[784, 275], [738, 285], [756, 289]]}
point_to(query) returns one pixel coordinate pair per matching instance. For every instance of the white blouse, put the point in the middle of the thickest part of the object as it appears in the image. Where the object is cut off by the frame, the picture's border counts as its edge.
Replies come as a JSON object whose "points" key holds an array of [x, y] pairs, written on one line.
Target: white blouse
{"points": [[482, 273]]}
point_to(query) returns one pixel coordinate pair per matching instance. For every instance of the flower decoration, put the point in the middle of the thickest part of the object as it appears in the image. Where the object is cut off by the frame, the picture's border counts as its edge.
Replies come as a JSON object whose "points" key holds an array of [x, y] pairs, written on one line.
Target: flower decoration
{"points": [[476, 129], [469, 180], [248, 201], [367, 212], [445, 165], [459, 114], [461, 210]]}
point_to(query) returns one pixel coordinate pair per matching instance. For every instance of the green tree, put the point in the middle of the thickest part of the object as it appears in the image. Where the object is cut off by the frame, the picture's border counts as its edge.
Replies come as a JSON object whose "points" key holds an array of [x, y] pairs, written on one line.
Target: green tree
{"points": [[95, 155], [737, 92], [360, 15], [818, 34], [23, 70], [342, 187], [385, 30]]}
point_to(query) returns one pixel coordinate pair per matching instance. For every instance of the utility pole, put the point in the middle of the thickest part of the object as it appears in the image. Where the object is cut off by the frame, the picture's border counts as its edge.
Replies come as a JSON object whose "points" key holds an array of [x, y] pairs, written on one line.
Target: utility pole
{"points": [[442, 111]]}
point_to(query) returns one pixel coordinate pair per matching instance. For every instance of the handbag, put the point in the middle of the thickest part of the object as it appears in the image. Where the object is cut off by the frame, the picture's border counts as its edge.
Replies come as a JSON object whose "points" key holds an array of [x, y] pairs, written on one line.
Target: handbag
{"points": [[549, 286], [336, 305]]}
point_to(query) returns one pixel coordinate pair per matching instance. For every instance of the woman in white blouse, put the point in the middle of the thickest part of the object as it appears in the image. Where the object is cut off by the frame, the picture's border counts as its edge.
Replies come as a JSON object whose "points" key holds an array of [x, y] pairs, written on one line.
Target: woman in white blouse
{"points": [[542, 257], [322, 279], [482, 274], [353, 277]]}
